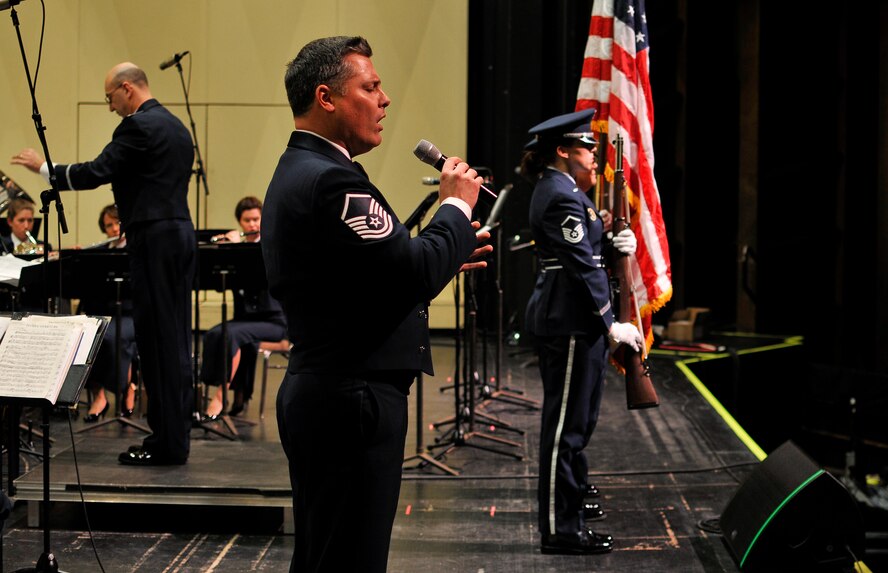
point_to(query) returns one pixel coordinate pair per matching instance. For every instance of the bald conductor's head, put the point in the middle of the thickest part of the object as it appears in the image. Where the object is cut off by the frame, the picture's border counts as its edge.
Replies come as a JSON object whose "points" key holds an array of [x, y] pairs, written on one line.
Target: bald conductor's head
{"points": [[126, 88]]}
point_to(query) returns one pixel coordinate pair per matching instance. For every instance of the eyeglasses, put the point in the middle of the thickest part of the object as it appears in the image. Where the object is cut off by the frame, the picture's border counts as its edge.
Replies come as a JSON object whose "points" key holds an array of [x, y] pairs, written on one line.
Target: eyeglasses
{"points": [[111, 93]]}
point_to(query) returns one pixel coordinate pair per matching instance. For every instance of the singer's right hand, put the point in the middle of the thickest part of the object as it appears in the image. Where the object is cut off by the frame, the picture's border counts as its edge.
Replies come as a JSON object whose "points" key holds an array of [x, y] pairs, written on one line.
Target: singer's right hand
{"points": [[460, 181]]}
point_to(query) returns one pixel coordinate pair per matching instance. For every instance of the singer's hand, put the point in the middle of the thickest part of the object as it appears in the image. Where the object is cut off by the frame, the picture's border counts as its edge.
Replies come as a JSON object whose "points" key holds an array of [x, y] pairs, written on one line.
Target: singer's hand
{"points": [[460, 181], [29, 158], [473, 262]]}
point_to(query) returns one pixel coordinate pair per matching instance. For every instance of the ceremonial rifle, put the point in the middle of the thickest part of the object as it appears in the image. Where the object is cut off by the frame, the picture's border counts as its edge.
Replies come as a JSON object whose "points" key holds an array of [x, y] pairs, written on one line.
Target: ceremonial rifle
{"points": [[640, 392]]}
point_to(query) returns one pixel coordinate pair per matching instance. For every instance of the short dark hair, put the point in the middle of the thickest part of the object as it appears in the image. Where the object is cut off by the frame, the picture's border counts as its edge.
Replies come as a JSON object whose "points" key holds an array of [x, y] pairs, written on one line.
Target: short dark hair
{"points": [[246, 204], [108, 210], [19, 204], [321, 61]]}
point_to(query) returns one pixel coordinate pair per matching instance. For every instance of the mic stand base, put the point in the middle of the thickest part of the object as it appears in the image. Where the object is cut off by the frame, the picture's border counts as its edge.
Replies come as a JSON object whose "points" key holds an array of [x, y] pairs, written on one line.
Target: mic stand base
{"points": [[226, 422], [461, 438], [427, 459], [46, 563], [510, 397], [120, 419]]}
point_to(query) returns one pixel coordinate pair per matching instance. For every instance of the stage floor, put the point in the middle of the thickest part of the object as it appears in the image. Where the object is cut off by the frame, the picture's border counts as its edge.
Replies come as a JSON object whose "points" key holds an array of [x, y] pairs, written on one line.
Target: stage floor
{"points": [[665, 475]]}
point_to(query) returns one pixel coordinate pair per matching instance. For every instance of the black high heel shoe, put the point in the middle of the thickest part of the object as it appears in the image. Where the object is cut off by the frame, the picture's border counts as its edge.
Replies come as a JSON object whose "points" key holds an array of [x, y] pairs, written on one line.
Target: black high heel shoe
{"points": [[128, 412], [93, 418], [210, 417]]}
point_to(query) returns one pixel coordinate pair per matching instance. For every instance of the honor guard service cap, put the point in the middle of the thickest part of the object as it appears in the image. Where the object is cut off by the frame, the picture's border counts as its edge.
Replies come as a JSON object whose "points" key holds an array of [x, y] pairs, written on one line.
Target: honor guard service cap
{"points": [[575, 125]]}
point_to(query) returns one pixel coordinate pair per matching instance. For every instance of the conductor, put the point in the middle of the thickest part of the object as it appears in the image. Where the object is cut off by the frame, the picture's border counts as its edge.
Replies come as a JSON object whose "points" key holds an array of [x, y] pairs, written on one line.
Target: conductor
{"points": [[148, 164]]}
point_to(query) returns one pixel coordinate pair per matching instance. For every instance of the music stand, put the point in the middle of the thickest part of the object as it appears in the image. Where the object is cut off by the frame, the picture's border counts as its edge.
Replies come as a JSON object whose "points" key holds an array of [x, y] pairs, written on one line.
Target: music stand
{"points": [[99, 273], [68, 397], [225, 266]]}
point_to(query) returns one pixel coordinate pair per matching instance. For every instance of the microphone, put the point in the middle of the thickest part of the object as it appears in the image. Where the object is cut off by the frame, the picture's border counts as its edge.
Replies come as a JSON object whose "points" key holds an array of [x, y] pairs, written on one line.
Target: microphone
{"points": [[426, 152], [170, 62], [7, 4], [431, 181], [496, 212]]}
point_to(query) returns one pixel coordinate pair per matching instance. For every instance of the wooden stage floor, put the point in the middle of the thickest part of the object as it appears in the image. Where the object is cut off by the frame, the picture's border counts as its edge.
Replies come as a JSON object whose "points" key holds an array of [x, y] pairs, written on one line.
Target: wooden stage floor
{"points": [[665, 475]]}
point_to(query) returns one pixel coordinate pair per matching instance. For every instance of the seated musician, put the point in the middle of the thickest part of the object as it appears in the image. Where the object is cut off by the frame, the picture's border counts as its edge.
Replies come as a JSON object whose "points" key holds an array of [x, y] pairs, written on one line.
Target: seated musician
{"points": [[20, 218], [102, 376], [257, 317]]}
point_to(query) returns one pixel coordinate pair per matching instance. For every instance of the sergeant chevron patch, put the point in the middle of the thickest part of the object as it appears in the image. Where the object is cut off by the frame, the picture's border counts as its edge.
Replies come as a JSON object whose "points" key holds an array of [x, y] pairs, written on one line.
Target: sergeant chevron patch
{"points": [[366, 216], [572, 228]]}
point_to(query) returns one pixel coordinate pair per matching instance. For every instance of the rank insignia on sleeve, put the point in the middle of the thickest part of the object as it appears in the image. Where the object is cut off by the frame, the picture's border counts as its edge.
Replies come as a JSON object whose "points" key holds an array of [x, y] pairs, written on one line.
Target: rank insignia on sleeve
{"points": [[366, 216], [592, 215], [572, 228]]}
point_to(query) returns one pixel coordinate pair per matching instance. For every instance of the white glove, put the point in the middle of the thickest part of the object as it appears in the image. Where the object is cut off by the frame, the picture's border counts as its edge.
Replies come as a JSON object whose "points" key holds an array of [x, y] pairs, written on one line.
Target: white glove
{"points": [[623, 332], [625, 242]]}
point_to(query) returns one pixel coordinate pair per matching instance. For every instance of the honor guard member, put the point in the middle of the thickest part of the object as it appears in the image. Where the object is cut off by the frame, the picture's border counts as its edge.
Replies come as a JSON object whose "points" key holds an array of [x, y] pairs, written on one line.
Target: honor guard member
{"points": [[355, 288], [570, 314]]}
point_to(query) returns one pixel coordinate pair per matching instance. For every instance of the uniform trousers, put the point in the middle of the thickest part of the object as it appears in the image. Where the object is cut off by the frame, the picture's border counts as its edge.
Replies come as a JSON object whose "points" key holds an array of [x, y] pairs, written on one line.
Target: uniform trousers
{"points": [[244, 335], [344, 439], [162, 264], [572, 369]]}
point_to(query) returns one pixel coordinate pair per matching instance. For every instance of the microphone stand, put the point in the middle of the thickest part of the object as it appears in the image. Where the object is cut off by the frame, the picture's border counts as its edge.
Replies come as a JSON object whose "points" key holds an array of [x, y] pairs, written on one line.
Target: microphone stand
{"points": [[422, 453], [463, 432], [201, 176], [47, 562]]}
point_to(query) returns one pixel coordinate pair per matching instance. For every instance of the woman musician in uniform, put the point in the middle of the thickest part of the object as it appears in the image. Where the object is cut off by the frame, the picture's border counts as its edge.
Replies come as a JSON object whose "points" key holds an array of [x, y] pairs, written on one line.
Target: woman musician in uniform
{"points": [[102, 376], [257, 317]]}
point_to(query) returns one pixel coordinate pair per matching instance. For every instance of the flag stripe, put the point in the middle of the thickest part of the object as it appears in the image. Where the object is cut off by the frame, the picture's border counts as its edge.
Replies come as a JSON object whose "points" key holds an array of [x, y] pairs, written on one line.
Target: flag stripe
{"points": [[616, 81]]}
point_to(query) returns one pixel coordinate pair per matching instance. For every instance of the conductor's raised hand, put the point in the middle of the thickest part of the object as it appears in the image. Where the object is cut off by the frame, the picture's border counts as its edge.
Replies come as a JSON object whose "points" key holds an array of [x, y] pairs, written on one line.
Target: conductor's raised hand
{"points": [[29, 158], [474, 261], [460, 181]]}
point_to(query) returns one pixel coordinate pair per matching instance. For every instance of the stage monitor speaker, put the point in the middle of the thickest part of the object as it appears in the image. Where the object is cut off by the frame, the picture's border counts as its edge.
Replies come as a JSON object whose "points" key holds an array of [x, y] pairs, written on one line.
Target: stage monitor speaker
{"points": [[791, 515]]}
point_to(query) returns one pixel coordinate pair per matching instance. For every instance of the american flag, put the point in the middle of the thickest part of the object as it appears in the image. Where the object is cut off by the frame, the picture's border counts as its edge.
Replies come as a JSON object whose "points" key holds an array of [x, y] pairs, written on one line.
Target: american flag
{"points": [[615, 81]]}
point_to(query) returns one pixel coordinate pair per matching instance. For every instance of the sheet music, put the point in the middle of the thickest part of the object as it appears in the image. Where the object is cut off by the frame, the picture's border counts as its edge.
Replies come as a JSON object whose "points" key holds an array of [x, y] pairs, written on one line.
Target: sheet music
{"points": [[35, 357], [11, 268], [90, 328]]}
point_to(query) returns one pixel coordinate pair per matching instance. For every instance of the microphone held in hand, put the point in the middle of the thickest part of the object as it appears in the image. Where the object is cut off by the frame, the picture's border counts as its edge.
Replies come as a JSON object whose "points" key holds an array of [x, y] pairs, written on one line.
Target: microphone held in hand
{"points": [[426, 152], [175, 59]]}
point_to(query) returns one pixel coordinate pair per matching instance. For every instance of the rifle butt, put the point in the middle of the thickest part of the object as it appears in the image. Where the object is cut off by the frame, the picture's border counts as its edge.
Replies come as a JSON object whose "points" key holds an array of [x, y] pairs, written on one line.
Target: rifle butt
{"points": [[640, 391]]}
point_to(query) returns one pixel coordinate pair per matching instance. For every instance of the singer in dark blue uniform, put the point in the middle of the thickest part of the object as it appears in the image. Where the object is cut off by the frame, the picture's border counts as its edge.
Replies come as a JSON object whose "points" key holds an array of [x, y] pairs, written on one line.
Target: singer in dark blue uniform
{"points": [[355, 288], [570, 314], [148, 164]]}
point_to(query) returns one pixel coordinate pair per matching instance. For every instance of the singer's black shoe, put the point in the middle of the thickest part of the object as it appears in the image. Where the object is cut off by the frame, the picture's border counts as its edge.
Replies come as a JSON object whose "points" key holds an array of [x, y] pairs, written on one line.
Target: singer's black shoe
{"points": [[139, 456], [590, 490], [583, 542], [592, 511]]}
